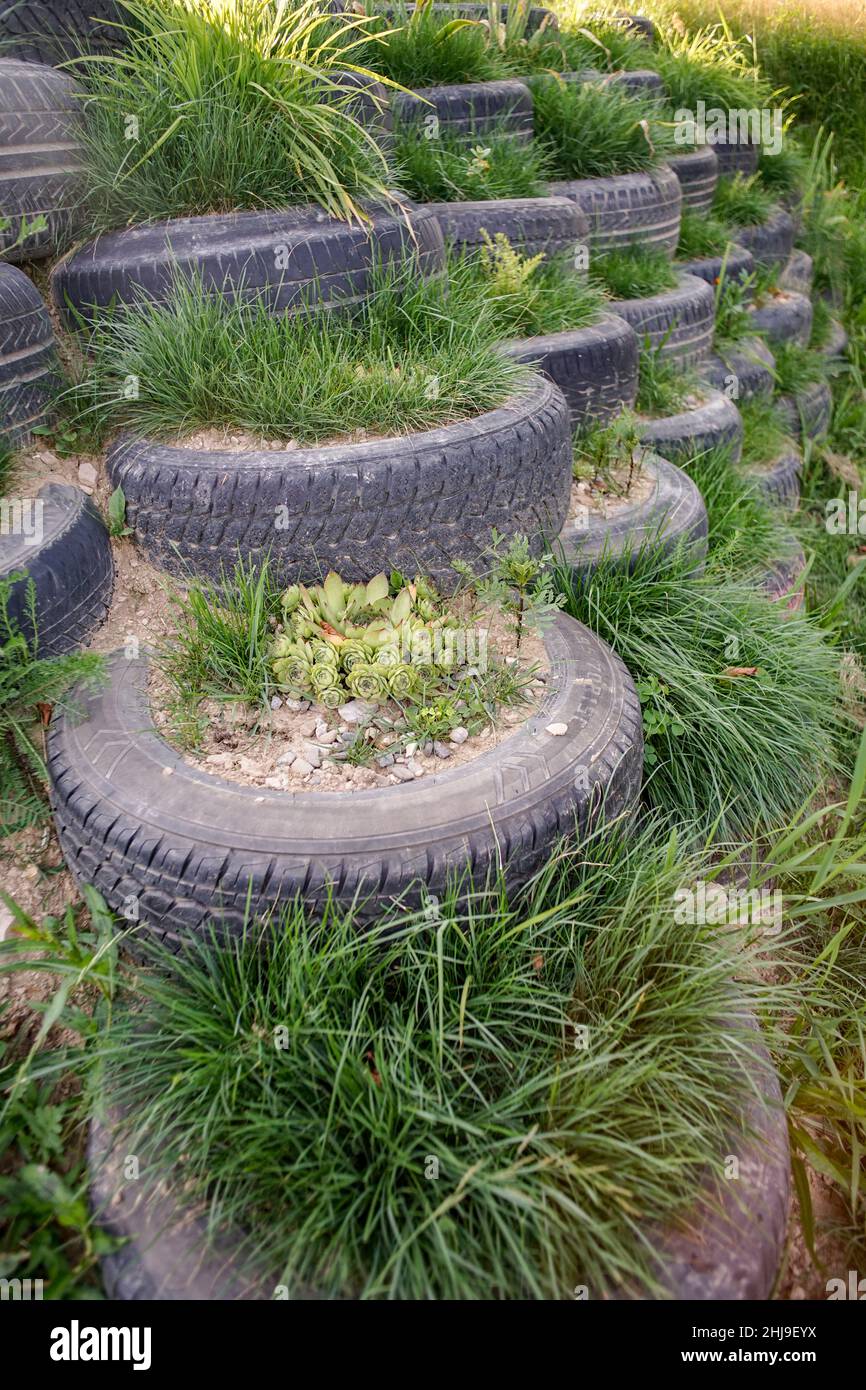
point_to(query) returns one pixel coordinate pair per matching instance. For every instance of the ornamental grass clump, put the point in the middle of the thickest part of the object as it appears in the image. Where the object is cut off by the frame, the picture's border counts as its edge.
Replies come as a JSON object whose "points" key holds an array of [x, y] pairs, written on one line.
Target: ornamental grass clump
{"points": [[215, 105], [637, 272], [586, 131], [742, 201], [457, 169], [423, 47]]}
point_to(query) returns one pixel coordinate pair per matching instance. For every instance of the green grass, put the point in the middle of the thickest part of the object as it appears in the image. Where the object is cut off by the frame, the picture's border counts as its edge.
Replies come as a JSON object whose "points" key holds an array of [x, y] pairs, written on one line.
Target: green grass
{"points": [[797, 367], [764, 432], [785, 174], [413, 1113], [428, 48], [701, 235], [529, 296], [7, 456], [586, 131], [236, 105], [742, 202], [745, 532], [750, 749], [733, 320], [414, 356], [663, 384], [450, 169], [635, 273], [712, 66]]}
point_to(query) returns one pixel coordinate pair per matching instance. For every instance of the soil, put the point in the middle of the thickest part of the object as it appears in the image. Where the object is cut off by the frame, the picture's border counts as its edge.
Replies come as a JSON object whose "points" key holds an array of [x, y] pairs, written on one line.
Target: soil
{"points": [[610, 495], [298, 744], [693, 400]]}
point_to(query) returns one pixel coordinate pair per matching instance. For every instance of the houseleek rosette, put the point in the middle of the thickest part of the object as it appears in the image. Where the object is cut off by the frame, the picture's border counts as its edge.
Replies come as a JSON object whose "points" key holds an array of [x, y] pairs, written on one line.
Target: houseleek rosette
{"points": [[369, 682], [354, 652], [402, 680]]}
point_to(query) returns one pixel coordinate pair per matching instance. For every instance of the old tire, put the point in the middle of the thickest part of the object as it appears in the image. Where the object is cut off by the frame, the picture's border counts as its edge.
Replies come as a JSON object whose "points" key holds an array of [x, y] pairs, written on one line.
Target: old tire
{"points": [[745, 371], [469, 109], [554, 226], [324, 261], [714, 424], [40, 157], [736, 264], [698, 173], [771, 241], [809, 411], [835, 347], [50, 31], [415, 502], [778, 481], [784, 318], [679, 323], [71, 568], [798, 273], [29, 376], [673, 515], [783, 581], [736, 157], [627, 208], [595, 368], [194, 848]]}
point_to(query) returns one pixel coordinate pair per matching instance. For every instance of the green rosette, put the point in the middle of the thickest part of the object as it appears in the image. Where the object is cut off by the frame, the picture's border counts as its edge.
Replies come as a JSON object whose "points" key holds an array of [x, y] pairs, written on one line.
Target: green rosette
{"points": [[324, 677], [331, 698], [293, 671], [402, 680], [354, 653], [388, 656], [367, 682], [325, 653]]}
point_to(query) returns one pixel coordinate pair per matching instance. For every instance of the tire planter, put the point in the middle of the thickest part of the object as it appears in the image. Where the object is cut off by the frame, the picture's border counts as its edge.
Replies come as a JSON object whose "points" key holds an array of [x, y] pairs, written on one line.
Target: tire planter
{"points": [[736, 156], [784, 318], [730, 1246], [415, 502], [679, 323], [70, 567], [40, 156], [698, 174], [737, 264], [641, 24], [536, 15], [778, 482], [595, 368], [553, 226], [783, 578], [798, 273], [626, 208], [195, 849], [637, 82], [469, 109], [29, 377], [836, 347], [743, 372], [770, 242], [321, 259], [809, 411], [50, 31], [673, 515], [715, 423]]}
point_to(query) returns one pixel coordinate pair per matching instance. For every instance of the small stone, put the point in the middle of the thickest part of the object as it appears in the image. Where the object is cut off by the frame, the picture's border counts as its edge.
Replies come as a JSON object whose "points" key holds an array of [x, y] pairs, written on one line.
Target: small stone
{"points": [[308, 730], [321, 728], [402, 773], [301, 768], [441, 749], [6, 921], [313, 754], [411, 749], [87, 475], [327, 736], [356, 711], [459, 735], [415, 768], [557, 730], [286, 759], [295, 705], [276, 702], [386, 760], [167, 771], [427, 748], [219, 759], [276, 782]]}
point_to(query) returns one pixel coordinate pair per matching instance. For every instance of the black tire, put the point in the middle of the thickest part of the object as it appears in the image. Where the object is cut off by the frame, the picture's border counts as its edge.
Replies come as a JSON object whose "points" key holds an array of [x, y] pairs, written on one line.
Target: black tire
{"points": [[778, 482], [736, 157], [784, 318], [698, 173], [715, 423], [770, 242], [782, 580], [415, 502], [553, 226], [536, 15], [835, 348], [673, 515], [321, 259], [640, 24], [679, 323], [736, 264], [469, 109], [626, 208], [595, 368], [644, 83], [29, 376], [40, 157], [192, 847], [742, 372], [71, 568], [50, 31], [798, 273], [809, 411]]}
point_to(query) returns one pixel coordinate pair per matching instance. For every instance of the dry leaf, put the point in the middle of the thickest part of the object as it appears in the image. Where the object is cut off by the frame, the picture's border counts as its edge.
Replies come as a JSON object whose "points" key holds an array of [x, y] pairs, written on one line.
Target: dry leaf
{"points": [[736, 671]]}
